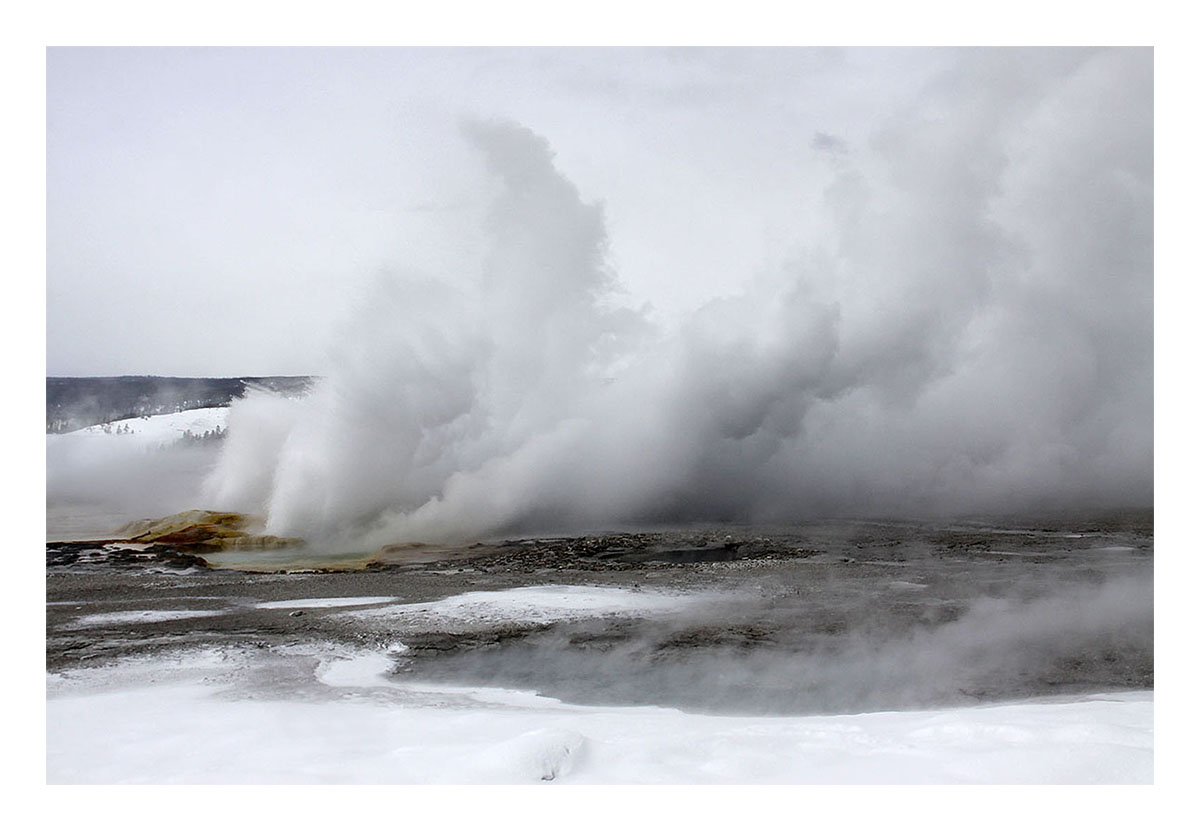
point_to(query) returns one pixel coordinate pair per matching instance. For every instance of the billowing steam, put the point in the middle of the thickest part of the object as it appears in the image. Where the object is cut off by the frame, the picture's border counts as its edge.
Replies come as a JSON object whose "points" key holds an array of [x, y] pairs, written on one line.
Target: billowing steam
{"points": [[969, 330], [782, 653]]}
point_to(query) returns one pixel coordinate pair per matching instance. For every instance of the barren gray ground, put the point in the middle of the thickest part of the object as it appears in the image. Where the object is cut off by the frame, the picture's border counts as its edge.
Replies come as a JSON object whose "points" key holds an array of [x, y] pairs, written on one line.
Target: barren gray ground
{"points": [[825, 617]]}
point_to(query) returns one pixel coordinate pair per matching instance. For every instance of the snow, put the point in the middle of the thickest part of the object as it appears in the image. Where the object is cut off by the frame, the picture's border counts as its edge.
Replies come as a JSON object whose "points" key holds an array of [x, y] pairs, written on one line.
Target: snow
{"points": [[324, 602], [141, 616], [364, 670], [150, 430], [193, 718], [535, 604], [906, 586]]}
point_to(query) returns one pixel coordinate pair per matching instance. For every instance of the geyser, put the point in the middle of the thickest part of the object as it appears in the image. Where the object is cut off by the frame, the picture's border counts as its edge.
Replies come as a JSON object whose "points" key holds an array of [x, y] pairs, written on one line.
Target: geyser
{"points": [[969, 330]]}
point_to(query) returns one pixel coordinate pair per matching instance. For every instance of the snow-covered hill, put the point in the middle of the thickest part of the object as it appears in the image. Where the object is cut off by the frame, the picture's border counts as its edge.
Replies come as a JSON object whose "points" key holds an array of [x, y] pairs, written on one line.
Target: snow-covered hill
{"points": [[153, 431]]}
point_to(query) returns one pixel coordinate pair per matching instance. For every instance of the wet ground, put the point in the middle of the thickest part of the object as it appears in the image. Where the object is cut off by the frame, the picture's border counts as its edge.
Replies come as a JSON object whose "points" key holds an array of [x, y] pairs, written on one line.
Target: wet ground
{"points": [[824, 617]]}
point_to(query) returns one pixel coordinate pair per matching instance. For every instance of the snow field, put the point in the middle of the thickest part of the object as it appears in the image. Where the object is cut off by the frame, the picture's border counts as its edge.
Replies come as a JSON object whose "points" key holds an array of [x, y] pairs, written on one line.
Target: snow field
{"points": [[183, 720]]}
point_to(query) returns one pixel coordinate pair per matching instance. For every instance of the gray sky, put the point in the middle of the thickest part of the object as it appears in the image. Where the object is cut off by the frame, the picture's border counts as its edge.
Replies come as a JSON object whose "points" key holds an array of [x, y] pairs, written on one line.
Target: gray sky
{"points": [[218, 211]]}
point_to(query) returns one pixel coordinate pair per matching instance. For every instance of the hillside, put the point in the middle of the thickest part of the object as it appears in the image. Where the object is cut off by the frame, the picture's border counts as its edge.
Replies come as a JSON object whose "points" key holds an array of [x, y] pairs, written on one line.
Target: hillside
{"points": [[74, 403]]}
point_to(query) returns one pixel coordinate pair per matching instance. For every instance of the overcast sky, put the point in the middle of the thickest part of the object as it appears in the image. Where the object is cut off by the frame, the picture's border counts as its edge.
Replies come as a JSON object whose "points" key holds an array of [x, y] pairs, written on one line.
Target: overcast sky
{"points": [[218, 211]]}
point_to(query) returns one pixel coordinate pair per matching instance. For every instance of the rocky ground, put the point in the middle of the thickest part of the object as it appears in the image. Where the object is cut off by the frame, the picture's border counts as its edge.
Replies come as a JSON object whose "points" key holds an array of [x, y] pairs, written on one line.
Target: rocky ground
{"points": [[820, 617]]}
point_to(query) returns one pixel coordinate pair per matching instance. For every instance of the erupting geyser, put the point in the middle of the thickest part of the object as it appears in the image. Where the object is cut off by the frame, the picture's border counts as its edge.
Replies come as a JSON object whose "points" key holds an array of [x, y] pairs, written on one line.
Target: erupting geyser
{"points": [[970, 332]]}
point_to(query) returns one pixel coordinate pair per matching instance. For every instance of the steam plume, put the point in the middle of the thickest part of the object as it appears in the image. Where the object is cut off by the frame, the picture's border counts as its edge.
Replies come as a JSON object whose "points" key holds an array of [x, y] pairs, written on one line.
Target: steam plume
{"points": [[970, 331]]}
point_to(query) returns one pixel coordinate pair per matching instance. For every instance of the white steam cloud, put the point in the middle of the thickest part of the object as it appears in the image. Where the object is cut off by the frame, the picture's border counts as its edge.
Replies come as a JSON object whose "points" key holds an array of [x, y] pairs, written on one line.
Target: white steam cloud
{"points": [[968, 330]]}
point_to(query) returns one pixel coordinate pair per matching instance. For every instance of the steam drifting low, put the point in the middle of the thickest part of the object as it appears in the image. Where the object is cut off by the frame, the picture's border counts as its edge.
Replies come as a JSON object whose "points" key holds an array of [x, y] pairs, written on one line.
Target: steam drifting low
{"points": [[968, 328]]}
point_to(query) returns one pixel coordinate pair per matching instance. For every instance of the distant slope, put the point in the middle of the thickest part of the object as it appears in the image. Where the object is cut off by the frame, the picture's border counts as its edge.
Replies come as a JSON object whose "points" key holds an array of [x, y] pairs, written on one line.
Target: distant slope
{"points": [[74, 403], [204, 424]]}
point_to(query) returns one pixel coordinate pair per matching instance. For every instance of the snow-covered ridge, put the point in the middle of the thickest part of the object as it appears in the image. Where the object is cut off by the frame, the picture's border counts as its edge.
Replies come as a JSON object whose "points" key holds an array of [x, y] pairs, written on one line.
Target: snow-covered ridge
{"points": [[154, 430]]}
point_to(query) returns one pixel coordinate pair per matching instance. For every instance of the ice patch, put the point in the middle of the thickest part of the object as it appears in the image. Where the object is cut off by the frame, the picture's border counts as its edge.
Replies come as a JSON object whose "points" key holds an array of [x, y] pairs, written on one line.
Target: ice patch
{"points": [[501, 697], [537, 604], [907, 586], [324, 602], [364, 670], [141, 616]]}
